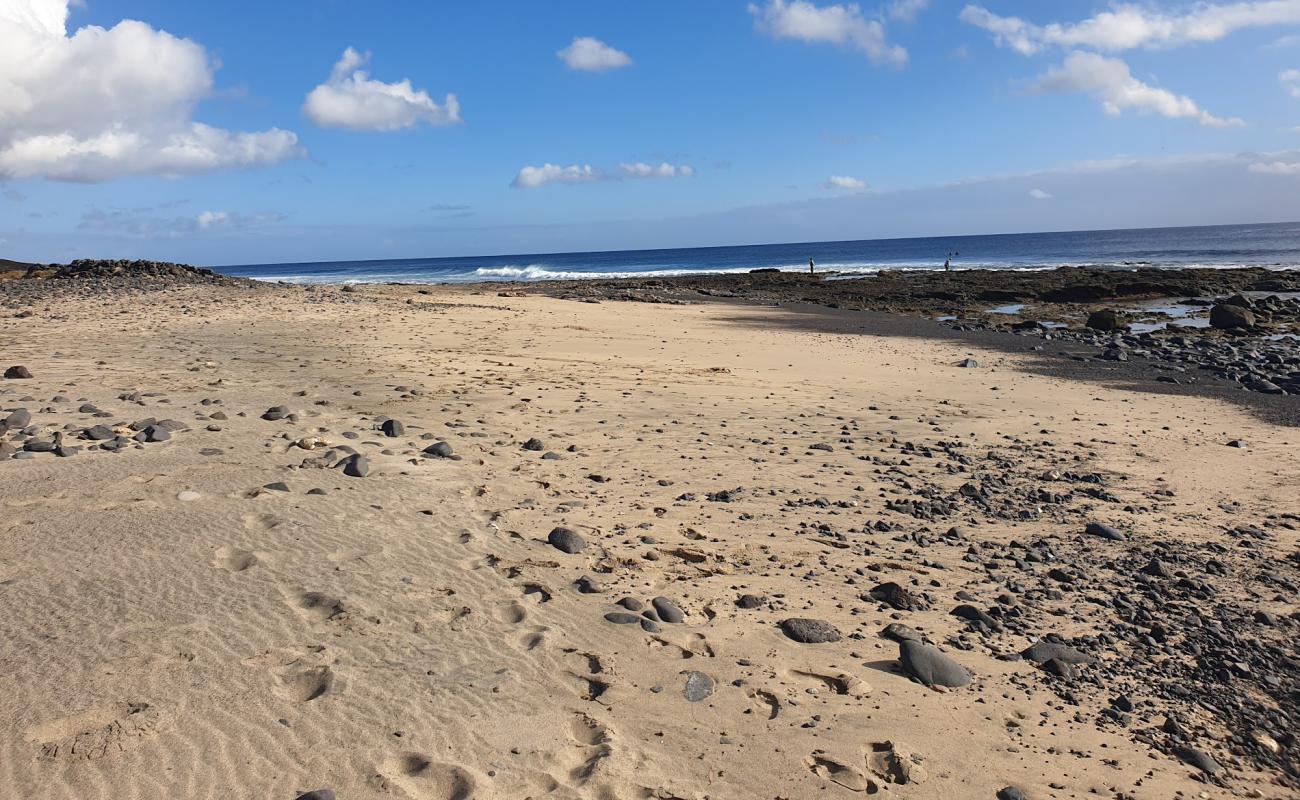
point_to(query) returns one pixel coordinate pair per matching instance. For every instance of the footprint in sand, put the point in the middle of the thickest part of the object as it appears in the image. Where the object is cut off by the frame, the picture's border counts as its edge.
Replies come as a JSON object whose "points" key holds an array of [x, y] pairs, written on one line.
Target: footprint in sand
{"points": [[587, 687], [301, 684], [511, 613], [99, 732], [839, 682], [829, 769], [234, 559], [534, 638], [422, 778], [261, 522], [593, 743], [317, 606]]}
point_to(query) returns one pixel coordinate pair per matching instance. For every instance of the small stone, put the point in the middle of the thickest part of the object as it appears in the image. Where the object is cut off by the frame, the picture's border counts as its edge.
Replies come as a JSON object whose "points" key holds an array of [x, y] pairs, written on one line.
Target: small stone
{"points": [[392, 428], [18, 372], [534, 445], [188, 496]]}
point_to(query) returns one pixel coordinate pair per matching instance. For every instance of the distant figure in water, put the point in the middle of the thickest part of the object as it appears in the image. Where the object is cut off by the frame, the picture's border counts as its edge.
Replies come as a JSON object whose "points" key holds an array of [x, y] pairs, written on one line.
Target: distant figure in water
{"points": [[947, 264], [812, 268]]}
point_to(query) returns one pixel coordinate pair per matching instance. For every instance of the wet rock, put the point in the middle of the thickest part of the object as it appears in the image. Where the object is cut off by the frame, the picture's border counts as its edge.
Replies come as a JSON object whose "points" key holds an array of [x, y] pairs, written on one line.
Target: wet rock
{"points": [[566, 541], [810, 631], [930, 666]]}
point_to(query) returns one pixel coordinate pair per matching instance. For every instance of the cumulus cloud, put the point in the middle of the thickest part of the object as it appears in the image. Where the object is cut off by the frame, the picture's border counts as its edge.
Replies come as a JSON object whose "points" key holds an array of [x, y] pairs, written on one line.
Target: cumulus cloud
{"points": [[1126, 26], [907, 10], [664, 170], [1276, 167], [592, 55], [845, 182], [535, 177], [1291, 81], [1039, 194], [101, 104], [843, 25], [1110, 81], [354, 101]]}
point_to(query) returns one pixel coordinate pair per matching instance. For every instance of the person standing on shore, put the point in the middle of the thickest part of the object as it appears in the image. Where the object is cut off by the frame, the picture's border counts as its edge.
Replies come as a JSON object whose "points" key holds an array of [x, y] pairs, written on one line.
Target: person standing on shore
{"points": [[812, 268]]}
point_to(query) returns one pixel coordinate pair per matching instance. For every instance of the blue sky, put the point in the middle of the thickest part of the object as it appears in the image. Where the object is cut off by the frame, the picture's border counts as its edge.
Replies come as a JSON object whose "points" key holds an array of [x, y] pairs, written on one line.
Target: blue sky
{"points": [[240, 132]]}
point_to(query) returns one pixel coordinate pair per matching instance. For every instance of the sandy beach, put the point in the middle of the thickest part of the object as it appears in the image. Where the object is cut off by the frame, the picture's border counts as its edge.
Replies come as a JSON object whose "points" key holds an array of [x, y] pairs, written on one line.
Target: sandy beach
{"points": [[662, 551]]}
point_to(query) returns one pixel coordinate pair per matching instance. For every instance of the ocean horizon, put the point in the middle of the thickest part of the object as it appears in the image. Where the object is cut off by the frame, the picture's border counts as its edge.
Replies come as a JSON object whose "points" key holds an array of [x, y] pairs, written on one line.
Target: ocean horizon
{"points": [[1268, 245]]}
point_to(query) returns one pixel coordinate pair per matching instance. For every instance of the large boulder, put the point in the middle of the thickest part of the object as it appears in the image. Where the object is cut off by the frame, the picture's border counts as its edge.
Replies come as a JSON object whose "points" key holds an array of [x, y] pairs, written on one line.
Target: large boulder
{"points": [[1227, 317]]}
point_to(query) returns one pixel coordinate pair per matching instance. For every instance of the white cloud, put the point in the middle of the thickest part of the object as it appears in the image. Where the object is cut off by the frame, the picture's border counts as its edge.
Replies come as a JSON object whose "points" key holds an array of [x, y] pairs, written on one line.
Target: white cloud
{"points": [[907, 10], [1111, 82], [836, 24], [534, 177], [1126, 25], [664, 170], [1039, 194], [1276, 167], [592, 55], [1291, 81], [101, 104], [352, 100], [845, 182]]}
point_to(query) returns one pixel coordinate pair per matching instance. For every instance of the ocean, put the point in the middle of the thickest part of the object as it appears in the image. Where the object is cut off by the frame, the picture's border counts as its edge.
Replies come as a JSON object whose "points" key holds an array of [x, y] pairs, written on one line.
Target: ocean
{"points": [[1274, 245]]}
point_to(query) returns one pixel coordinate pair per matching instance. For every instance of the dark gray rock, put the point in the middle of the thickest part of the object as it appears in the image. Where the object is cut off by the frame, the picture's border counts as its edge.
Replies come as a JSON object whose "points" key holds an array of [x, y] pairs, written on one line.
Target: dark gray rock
{"points": [[275, 413], [535, 445], [1104, 531], [698, 686], [668, 611], [438, 450], [1227, 317], [1105, 319], [19, 418], [930, 666], [392, 428], [1042, 651], [1198, 759], [18, 373], [566, 541], [810, 631], [355, 466]]}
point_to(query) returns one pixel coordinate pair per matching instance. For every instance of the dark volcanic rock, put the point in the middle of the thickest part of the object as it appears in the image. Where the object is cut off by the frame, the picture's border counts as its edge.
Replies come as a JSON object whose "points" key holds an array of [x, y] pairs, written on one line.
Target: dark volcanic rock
{"points": [[930, 666], [1105, 320], [1042, 651], [566, 541], [1104, 531], [895, 596], [18, 372], [438, 450], [810, 631], [668, 610], [1231, 316], [392, 428]]}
